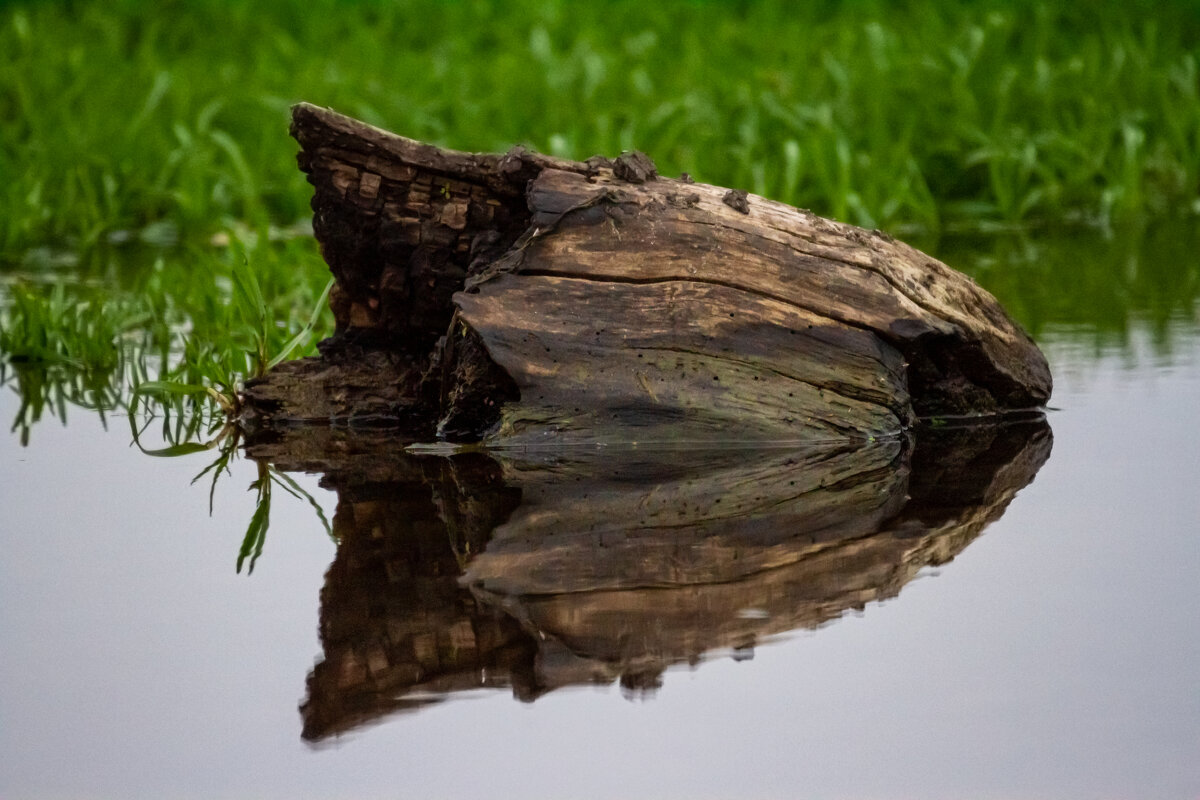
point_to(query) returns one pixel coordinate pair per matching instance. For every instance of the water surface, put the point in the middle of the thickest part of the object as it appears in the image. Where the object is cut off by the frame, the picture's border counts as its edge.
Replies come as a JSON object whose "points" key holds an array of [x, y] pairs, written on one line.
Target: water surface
{"points": [[980, 627]]}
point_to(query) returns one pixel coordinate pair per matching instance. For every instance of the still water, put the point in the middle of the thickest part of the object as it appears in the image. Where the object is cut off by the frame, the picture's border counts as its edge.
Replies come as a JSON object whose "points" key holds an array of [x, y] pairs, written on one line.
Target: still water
{"points": [[1002, 611]]}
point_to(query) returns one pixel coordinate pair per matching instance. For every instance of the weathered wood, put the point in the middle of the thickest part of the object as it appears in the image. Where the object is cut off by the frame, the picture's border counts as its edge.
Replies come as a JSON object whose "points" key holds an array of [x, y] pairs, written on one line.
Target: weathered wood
{"points": [[680, 360], [539, 569], [521, 298]]}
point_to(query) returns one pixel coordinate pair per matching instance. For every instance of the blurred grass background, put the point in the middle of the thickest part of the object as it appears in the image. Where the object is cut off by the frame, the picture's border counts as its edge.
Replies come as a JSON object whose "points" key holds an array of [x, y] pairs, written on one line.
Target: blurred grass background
{"points": [[121, 116], [137, 139]]}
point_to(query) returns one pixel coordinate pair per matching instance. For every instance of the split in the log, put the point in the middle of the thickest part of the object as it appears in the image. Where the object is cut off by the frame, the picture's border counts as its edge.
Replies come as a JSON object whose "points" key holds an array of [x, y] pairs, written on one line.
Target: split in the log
{"points": [[521, 298]]}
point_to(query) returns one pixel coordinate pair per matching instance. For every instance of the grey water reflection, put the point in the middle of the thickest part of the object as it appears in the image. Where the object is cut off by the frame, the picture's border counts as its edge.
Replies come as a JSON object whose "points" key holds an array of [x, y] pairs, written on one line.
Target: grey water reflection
{"points": [[541, 571]]}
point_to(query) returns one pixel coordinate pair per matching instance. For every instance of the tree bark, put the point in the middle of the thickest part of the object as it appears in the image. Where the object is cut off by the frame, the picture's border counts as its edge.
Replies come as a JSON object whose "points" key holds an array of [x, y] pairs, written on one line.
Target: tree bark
{"points": [[520, 298]]}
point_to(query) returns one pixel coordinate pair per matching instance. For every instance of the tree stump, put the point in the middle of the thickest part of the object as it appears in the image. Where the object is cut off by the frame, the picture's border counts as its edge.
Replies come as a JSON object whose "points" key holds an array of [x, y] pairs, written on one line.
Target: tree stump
{"points": [[520, 298]]}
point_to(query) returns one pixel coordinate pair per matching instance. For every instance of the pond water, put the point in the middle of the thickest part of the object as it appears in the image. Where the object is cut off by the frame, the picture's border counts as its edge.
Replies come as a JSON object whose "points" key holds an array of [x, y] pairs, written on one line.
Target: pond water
{"points": [[992, 611]]}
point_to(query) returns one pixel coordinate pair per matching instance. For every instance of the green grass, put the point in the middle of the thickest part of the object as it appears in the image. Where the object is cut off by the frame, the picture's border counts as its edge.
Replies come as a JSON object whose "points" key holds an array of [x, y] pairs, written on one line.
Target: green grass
{"points": [[168, 120], [134, 132], [173, 336]]}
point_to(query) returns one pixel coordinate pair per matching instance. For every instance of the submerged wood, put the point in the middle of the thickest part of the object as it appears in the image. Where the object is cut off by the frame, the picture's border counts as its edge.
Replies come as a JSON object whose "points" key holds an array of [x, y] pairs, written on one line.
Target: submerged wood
{"points": [[535, 570], [523, 298]]}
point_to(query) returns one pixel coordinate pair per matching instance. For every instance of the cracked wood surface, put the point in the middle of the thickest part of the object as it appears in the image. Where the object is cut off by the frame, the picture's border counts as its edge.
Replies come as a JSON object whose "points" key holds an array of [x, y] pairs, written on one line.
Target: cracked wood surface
{"points": [[535, 299], [678, 360]]}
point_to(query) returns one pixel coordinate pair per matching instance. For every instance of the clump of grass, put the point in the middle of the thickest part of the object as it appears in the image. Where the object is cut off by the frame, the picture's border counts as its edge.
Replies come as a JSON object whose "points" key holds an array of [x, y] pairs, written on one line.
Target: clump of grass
{"points": [[130, 121], [59, 328], [174, 339], [215, 367], [68, 345]]}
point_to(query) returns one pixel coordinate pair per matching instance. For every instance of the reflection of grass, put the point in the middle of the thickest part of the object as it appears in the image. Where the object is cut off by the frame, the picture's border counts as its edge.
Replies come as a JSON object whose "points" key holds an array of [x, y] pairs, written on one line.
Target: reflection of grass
{"points": [[70, 345], [186, 439], [131, 120], [1096, 285], [64, 329], [183, 331], [50, 390], [256, 532]]}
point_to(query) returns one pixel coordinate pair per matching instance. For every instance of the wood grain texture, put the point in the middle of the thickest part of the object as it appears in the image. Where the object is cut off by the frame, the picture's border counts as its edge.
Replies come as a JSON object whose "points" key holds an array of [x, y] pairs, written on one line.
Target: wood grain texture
{"points": [[680, 360], [542, 300], [669, 231]]}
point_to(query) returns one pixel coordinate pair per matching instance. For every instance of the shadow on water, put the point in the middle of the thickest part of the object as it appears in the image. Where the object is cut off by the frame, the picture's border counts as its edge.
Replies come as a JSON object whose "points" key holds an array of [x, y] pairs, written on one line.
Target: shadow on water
{"points": [[537, 571]]}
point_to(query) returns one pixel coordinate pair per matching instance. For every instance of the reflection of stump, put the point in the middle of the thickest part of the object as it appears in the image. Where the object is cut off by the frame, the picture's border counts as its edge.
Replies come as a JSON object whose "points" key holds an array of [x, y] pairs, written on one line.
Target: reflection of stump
{"points": [[392, 614], [472, 571], [522, 296]]}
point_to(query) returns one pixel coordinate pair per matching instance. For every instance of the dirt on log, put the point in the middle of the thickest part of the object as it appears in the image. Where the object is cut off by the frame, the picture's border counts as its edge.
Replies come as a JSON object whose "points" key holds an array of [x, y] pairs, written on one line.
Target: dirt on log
{"points": [[521, 298]]}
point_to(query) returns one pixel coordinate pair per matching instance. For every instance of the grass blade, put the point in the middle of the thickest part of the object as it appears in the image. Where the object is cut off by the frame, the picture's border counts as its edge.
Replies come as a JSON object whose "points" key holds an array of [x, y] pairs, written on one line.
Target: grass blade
{"points": [[302, 337]]}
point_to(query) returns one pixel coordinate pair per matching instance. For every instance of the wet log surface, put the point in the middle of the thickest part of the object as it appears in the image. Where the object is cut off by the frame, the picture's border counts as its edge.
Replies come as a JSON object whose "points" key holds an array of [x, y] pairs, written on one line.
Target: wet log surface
{"points": [[520, 298], [539, 569]]}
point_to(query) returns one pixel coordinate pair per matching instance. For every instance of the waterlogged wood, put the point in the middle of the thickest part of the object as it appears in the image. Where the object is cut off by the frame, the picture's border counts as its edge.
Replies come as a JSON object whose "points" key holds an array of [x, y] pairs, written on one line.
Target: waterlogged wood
{"points": [[678, 360], [536, 569], [375, 385], [533, 299]]}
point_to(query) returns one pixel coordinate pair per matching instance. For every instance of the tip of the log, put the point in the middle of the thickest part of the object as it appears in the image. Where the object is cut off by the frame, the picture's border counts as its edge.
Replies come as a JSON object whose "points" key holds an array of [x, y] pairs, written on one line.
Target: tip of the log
{"points": [[302, 108], [315, 127], [308, 117]]}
